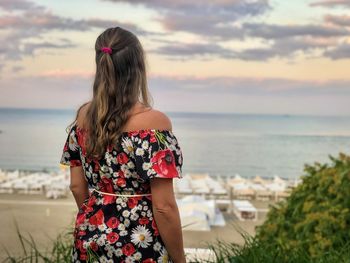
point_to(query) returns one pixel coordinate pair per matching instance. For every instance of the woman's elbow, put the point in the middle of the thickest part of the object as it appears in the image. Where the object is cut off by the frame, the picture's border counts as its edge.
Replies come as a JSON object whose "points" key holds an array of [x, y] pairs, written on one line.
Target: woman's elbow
{"points": [[165, 208]]}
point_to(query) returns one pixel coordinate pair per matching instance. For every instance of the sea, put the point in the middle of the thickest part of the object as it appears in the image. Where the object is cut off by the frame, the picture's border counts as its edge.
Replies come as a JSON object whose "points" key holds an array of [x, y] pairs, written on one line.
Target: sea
{"points": [[215, 143]]}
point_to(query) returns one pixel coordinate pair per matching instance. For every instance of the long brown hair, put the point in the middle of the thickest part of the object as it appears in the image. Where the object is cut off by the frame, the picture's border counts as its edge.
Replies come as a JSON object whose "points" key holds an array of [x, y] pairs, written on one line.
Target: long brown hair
{"points": [[120, 82]]}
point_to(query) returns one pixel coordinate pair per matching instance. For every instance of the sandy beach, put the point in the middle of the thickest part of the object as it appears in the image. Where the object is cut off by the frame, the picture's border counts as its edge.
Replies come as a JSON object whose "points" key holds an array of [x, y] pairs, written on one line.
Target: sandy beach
{"points": [[45, 218]]}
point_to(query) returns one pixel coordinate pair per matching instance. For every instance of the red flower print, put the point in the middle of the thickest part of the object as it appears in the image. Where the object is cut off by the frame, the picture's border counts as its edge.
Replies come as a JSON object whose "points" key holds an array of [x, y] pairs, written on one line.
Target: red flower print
{"points": [[83, 256], [143, 220], [94, 246], [128, 249], [65, 148], [75, 163], [155, 227], [133, 133], [81, 233], [109, 148], [96, 166], [132, 202], [97, 218], [113, 222], [109, 199], [81, 140], [122, 158], [152, 139], [121, 174], [144, 133], [148, 260], [121, 182], [88, 209], [91, 201], [79, 245], [80, 218], [163, 163], [112, 237], [106, 185]]}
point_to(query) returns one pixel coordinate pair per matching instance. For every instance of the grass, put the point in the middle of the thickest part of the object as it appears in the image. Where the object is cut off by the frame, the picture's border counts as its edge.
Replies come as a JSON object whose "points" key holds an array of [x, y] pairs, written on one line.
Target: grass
{"points": [[59, 249], [253, 251]]}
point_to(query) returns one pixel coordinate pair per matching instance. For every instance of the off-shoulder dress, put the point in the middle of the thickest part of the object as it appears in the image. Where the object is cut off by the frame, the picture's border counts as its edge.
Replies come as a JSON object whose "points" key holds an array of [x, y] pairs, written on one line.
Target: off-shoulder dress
{"points": [[110, 228]]}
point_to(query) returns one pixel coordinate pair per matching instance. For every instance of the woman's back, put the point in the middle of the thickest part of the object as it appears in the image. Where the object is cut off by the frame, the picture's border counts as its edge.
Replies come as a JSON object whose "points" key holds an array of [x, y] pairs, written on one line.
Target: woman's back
{"points": [[116, 222]]}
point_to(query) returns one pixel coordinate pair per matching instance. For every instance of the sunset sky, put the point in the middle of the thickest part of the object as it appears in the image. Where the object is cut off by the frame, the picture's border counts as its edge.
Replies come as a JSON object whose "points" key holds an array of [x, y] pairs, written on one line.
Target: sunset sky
{"points": [[240, 56]]}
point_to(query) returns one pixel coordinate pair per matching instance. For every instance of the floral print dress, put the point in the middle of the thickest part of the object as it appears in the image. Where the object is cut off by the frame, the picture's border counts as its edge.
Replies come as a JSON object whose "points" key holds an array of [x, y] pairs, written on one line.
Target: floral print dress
{"points": [[111, 228]]}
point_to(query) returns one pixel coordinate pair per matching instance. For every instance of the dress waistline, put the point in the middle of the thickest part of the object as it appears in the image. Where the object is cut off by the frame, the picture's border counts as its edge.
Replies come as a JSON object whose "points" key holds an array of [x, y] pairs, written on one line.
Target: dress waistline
{"points": [[127, 195]]}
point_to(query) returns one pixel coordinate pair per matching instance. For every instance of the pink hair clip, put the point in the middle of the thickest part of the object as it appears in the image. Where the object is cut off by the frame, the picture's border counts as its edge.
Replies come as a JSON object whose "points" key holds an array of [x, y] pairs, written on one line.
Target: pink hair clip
{"points": [[106, 50]]}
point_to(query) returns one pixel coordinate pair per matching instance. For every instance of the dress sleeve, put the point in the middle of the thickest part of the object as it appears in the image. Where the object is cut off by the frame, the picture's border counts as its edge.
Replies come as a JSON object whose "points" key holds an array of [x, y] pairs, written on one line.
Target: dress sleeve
{"points": [[157, 154], [71, 150]]}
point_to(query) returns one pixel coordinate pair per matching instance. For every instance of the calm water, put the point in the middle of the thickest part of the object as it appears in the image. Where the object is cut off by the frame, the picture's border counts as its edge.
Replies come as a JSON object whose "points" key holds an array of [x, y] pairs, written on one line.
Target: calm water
{"points": [[216, 143]]}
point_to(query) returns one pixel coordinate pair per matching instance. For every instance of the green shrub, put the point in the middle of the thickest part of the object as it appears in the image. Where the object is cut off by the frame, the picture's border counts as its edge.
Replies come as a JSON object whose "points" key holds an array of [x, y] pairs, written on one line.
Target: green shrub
{"points": [[316, 216]]}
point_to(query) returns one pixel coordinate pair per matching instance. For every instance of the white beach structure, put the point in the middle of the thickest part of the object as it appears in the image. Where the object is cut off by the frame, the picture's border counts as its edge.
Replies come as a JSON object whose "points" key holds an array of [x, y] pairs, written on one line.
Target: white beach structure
{"points": [[279, 188], [244, 210], [200, 184], [199, 214], [183, 186], [53, 185]]}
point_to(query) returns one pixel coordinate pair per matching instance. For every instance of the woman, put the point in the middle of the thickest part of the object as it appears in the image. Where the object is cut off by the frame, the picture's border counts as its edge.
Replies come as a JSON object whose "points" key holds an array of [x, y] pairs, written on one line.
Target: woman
{"points": [[126, 152]]}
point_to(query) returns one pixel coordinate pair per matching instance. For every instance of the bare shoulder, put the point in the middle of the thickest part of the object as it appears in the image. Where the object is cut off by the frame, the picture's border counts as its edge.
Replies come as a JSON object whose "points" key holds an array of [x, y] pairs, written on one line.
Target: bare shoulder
{"points": [[160, 120], [81, 113], [151, 119]]}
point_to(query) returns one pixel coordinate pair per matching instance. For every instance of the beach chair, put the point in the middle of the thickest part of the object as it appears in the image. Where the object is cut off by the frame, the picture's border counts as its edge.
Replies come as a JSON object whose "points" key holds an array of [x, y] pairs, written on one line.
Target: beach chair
{"points": [[244, 210]]}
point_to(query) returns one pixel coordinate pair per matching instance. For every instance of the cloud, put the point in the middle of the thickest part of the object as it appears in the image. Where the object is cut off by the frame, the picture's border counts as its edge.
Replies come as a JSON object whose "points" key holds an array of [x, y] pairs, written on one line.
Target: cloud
{"points": [[12, 5], [342, 51], [273, 31], [189, 50], [283, 48], [226, 20], [212, 18], [331, 3], [24, 31], [338, 20]]}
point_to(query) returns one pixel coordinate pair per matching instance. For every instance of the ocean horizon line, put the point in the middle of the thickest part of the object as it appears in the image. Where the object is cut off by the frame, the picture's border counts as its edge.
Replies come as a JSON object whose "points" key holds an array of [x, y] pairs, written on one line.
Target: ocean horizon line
{"points": [[244, 114]]}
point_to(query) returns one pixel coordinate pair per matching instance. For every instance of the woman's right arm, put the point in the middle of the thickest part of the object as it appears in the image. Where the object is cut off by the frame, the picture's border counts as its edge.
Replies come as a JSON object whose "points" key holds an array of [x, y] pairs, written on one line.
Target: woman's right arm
{"points": [[167, 217]]}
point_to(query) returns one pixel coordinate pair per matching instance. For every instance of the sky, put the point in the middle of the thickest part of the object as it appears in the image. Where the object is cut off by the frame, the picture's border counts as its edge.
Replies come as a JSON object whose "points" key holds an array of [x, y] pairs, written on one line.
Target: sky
{"points": [[234, 56]]}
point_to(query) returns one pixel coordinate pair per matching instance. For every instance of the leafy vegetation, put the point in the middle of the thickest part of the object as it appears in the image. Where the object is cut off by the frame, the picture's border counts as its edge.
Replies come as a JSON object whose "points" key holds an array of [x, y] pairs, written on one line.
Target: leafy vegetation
{"points": [[316, 216]]}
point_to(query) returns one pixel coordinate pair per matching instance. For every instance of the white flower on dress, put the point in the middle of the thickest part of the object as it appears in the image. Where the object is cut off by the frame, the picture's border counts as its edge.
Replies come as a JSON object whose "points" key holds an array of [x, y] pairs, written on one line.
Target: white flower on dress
{"points": [[126, 213], [101, 241], [127, 146], [118, 252], [157, 246], [164, 257], [141, 236], [108, 158], [135, 184], [102, 227], [146, 166], [134, 216], [137, 255], [72, 142], [145, 145], [129, 259], [131, 165], [92, 227], [123, 233], [126, 222], [140, 151]]}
